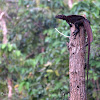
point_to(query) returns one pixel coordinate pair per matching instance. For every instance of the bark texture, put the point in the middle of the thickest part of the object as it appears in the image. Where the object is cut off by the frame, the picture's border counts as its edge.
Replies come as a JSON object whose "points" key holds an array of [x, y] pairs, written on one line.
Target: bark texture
{"points": [[77, 65], [3, 26]]}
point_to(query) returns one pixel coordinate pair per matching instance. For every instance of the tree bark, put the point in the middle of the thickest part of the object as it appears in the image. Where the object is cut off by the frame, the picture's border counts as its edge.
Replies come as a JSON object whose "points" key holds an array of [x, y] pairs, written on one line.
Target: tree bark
{"points": [[9, 81], [70, 3], [77, 65], [5, 40], [3, 26]]}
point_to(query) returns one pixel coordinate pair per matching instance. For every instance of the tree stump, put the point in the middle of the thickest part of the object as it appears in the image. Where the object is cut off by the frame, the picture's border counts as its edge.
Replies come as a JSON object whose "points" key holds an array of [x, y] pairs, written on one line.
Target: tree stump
{"points": [[77, 65]]}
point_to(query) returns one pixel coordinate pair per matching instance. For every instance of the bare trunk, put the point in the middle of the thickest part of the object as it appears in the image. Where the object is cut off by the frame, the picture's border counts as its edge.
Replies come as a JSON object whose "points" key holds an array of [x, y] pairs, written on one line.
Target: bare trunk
{"points": [[3, 26], [4, 41], [77, 65], [9, 81], [70, 3]]}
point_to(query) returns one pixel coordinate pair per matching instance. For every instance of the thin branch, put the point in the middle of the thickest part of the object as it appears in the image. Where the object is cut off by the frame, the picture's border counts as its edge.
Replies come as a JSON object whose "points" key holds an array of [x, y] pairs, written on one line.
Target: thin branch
{"points": [[62, 33], [1, 15], [4, 27]]}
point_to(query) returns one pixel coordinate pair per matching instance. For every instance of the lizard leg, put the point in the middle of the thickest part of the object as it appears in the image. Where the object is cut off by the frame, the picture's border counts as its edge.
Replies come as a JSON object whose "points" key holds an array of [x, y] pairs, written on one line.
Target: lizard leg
{"points": [[77, 24], [69, 24], [76, 30]]}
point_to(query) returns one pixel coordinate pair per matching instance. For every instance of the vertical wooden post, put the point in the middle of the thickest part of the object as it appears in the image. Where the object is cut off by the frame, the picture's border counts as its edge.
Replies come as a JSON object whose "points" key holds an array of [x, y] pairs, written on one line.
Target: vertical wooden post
{"points": [[77, 65]]}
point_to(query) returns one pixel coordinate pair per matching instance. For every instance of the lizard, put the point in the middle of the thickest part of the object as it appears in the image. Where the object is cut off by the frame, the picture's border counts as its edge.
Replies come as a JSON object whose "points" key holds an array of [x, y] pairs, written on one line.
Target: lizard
{"points": [[79, 20]]}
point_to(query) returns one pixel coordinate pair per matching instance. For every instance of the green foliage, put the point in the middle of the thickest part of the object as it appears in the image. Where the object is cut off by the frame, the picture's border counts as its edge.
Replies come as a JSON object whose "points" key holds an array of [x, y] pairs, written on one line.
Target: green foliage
{"points": [[37, 58]]}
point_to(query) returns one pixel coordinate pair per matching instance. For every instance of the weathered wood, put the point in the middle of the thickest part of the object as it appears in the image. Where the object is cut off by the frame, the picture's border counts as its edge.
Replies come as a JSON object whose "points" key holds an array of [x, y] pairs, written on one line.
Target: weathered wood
{"points": [[77, 65]]}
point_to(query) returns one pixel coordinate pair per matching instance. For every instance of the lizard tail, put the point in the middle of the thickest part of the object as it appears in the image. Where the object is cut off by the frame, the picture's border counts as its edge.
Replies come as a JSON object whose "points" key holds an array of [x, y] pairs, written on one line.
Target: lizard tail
{"points": [[88, 61], [89, 33]]}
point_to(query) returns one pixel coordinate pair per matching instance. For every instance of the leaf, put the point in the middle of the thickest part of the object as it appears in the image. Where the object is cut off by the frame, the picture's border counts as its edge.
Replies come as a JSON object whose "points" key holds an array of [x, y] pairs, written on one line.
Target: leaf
{"points": [[56, 72], [21, 86], [57, 86], [54, 95], [27, 85], [66, 87], [58, 60], [47, 39], [16, 86], [41, 61], [48, 64], [20, 2], [18, 53], [0, 62], [95, 78], [94, 94], [63, 50], [14, 46], [10, 47], [3, 46], [49, 70]]}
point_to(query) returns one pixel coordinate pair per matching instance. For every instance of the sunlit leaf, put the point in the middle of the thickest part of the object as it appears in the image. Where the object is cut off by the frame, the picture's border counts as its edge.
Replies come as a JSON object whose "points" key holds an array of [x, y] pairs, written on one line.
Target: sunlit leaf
{"points": [[3, 46], [56, 72], [49, 71]]}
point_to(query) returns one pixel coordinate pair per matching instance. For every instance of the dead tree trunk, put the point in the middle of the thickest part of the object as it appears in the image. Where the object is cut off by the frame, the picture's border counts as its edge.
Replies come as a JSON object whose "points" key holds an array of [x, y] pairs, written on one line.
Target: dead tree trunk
{"points": [[77, 65]]}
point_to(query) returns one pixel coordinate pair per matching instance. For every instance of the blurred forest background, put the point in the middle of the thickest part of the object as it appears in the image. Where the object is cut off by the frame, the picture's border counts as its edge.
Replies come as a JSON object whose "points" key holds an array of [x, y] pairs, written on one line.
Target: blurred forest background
{"points": [[34, 59]]}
